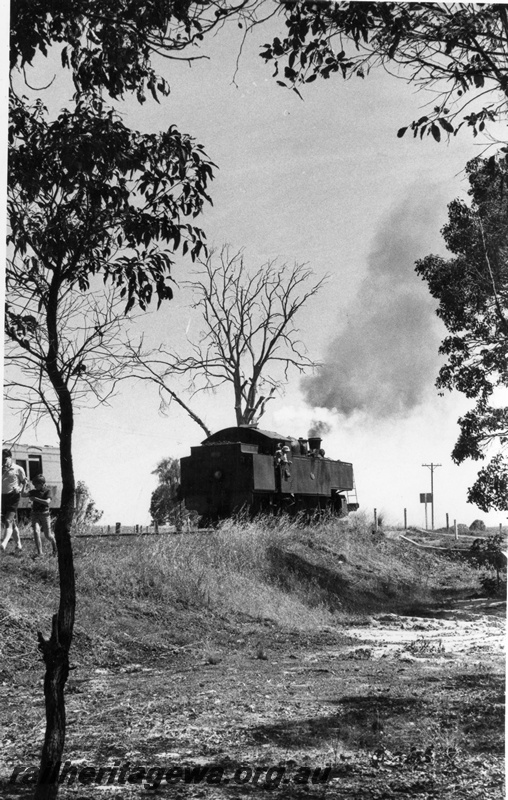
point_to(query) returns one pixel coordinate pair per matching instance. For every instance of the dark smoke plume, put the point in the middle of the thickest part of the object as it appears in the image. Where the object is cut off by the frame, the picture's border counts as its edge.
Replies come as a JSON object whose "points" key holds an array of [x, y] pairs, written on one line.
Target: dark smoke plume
{"points": [[318, 428], [384, 359]]}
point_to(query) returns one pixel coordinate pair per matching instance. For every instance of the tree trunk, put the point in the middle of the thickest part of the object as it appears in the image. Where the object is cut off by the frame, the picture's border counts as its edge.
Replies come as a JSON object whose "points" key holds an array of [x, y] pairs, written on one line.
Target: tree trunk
{"points": [[241, 416], [55, 650]]}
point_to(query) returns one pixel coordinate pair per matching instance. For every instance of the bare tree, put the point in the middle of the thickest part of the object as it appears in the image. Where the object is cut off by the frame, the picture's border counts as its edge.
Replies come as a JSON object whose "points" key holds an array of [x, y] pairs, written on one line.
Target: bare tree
{"points": [[249, 339], [88, 357], [153, 366]]}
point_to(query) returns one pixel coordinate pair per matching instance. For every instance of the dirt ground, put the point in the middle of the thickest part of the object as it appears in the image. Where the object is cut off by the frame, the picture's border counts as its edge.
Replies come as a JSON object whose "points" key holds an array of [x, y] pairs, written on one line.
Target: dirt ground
{"points": [[396, 707]]}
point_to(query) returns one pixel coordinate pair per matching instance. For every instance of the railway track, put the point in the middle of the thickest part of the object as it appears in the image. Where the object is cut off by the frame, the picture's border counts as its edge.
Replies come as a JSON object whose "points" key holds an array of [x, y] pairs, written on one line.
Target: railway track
{"points": [[129, 534]]}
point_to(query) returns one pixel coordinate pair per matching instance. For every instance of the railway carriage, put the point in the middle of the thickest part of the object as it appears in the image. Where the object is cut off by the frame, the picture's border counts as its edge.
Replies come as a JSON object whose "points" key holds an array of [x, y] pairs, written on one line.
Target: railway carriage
{"points": [[36, 461], [245, 468]]}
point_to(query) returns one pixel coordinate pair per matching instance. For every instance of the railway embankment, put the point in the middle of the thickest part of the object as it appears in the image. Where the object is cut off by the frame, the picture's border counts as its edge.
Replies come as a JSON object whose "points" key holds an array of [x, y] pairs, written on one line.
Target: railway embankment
{"points": [[296, 576]]}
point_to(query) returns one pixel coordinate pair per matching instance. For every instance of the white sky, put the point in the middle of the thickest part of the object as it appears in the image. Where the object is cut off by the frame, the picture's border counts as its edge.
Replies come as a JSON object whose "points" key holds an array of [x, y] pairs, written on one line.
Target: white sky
{"points": [[324, 181]]}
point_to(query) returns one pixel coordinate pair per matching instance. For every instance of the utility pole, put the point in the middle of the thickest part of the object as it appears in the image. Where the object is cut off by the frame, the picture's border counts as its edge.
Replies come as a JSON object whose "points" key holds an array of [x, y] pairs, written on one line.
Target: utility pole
{"points": [[432, 467]]}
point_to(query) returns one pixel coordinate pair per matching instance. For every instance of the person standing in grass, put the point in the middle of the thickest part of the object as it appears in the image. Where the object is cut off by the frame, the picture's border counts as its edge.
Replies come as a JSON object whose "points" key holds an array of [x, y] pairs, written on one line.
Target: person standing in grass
{"points": [[41, 521], [13, 483]]}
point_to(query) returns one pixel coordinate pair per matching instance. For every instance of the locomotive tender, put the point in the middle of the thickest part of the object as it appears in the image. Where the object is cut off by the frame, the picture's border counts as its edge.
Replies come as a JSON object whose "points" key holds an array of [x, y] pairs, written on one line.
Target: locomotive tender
{"points": [[245, 468]]}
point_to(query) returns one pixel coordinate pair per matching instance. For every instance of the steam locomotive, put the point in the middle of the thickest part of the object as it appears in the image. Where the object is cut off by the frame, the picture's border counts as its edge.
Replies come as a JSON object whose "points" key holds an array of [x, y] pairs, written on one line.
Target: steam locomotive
{"points": [[244, 468]]}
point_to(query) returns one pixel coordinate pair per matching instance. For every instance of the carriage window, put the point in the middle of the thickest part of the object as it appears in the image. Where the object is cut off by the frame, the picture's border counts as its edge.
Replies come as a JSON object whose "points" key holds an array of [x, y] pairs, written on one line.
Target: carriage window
{"points": [[34, 466]]}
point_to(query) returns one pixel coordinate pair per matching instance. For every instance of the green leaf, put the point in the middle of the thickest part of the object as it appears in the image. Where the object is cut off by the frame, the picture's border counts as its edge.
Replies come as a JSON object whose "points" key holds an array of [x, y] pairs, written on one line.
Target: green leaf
{"points": [[436, 133], [447, 126]]}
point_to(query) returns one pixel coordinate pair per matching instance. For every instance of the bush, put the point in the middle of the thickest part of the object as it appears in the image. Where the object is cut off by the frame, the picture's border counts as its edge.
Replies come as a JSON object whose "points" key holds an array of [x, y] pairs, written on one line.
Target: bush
{"points": [[477, 525], [86, 513], [490, 585], [488, 553]]}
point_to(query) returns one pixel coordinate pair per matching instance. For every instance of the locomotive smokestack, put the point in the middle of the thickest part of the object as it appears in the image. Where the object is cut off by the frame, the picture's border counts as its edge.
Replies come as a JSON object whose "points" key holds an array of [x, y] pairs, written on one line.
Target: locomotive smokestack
{"points": [[315, 442], [318, 428]]}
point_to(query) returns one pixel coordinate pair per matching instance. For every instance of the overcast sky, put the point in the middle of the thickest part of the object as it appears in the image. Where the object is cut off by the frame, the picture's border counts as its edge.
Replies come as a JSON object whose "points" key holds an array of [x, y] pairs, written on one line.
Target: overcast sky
{"points": [[327, 182]]}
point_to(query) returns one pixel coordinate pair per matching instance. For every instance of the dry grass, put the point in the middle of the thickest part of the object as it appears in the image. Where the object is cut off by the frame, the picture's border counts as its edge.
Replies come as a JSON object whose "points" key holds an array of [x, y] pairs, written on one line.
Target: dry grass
{"points": [[325, 569], [298, 576], [225, 571], [197, 590]]}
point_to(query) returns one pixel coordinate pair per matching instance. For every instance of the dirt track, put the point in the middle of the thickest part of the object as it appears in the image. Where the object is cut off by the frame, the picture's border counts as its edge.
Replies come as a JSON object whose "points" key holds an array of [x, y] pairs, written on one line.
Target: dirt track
{"points": [[400, 707]]}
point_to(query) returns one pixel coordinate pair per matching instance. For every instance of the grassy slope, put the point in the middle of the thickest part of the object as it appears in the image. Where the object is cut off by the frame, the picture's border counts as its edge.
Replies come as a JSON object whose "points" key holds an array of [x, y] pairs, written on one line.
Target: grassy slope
{"points": [[168, 593]]}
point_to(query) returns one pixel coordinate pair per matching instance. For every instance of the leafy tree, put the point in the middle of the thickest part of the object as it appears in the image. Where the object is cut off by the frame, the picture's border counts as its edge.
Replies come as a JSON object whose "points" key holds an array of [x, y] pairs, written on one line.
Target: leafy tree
{"points": [[108, 44], [88, 199], [165, 504], [489, 553], [248, 340], [86, 512], [472, 290], [456, 50]]}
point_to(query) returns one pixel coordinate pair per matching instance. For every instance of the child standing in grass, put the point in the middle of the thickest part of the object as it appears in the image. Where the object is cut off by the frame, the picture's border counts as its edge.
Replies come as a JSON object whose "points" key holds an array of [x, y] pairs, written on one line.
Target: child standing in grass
{"points": [[41, 500]]}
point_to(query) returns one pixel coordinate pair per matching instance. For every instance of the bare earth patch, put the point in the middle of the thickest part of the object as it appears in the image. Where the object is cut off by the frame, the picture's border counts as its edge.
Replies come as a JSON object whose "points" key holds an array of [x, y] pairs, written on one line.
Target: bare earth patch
{"points": [[171, 697], [399, 707]]}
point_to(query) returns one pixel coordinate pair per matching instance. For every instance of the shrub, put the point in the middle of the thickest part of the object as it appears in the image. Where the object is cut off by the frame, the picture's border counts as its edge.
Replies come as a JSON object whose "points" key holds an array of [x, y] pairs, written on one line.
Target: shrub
{"points": [[477, 525], [488, 553], [490, 585]]}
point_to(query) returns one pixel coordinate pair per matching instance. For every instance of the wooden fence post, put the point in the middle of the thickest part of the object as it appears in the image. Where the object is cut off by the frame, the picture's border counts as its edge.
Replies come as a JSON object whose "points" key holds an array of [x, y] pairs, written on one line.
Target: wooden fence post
{"points": [[375, 519], [405, 519], [447, 523], [455, 529]]}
